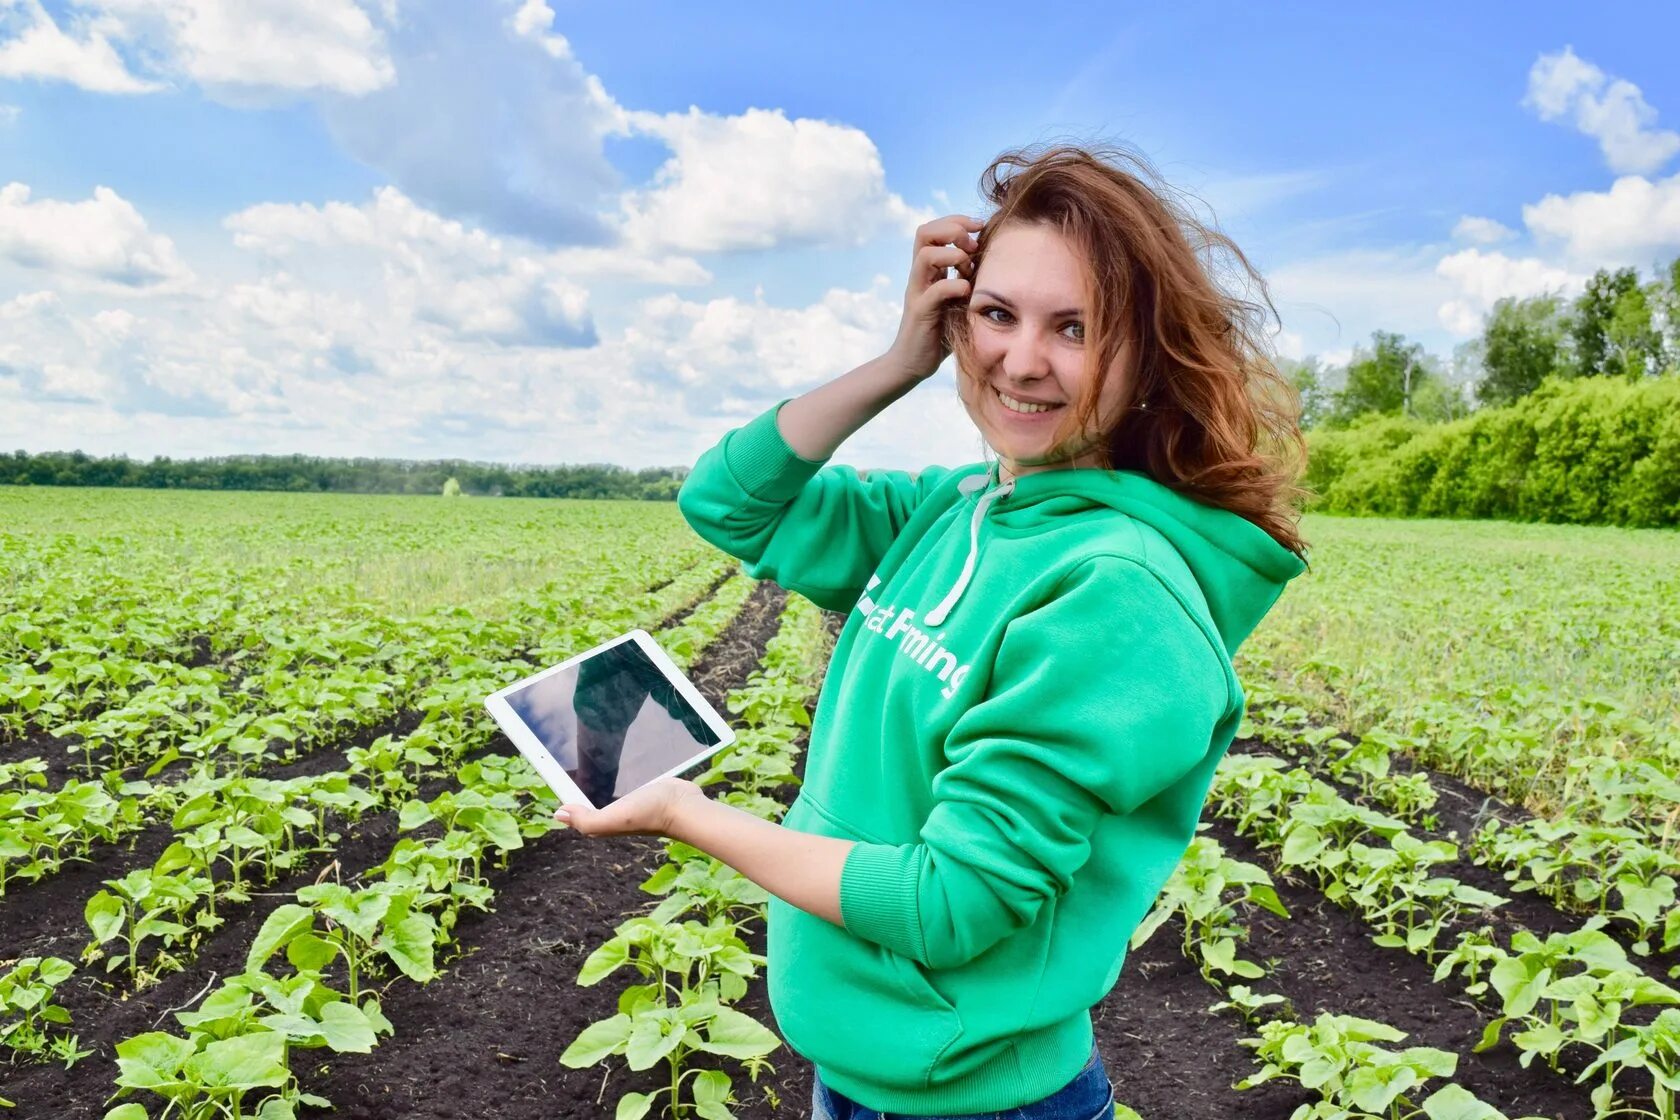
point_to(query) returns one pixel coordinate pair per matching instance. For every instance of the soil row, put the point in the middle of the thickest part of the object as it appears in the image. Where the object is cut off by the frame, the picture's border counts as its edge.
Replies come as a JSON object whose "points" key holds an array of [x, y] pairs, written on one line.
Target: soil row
{"points": [[1460, 810]]}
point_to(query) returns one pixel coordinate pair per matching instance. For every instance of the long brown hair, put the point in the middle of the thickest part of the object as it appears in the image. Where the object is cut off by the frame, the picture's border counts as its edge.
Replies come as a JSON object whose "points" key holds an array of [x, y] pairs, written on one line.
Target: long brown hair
{"points": [[1206, 413]]}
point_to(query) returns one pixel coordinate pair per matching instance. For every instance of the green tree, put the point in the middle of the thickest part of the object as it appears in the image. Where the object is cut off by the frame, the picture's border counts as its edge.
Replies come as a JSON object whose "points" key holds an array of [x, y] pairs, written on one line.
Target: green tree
{"points": [[451, 488], [1667, 306], [1522, 342], [1437, 400], [1590, 318], [1310, 381], [1382, 379], [1633, 345]]}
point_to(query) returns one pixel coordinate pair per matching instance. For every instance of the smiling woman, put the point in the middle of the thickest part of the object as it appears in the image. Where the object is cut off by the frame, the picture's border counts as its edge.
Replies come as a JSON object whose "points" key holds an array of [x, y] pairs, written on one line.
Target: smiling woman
{"points": [[1024, 710], [1090, 295]]}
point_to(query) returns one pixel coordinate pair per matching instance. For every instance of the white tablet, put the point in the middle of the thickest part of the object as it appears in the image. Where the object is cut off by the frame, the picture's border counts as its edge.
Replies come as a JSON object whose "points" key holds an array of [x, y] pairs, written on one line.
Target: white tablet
{"points": [[609, 720]]}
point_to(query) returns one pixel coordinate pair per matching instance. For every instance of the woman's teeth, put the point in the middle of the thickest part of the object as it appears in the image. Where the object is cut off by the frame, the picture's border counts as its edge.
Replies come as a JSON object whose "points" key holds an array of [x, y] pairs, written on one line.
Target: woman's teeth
{"points": [[1014, 405]]}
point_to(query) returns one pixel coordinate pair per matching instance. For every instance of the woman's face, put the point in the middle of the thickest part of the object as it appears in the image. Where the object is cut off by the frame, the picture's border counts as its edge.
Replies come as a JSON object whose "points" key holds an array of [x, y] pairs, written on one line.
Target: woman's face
{"points": [[1027, 320]]}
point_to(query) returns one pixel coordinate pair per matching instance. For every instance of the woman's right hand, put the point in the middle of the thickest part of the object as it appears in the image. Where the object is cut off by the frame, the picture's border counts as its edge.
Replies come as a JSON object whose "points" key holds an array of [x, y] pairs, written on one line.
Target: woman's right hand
{"points": [[943, 243]]}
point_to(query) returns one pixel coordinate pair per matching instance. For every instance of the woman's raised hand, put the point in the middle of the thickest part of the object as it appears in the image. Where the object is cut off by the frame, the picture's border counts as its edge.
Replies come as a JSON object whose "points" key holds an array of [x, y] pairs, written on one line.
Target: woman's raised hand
{"points": [[943, 243]]}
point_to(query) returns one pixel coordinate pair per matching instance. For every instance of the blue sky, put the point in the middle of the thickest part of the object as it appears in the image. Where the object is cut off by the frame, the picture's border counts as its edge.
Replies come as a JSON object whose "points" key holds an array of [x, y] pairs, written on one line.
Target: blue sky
{"points": [[549, 232]]}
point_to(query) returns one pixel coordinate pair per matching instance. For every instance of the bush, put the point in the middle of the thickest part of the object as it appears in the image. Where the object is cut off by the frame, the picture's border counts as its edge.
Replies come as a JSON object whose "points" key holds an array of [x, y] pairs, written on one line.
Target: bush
{"points": [[1596, 450]]}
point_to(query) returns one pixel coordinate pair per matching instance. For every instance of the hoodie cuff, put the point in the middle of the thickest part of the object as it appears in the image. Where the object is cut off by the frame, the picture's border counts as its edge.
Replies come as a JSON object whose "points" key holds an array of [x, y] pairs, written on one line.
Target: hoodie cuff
{"points": [[878, 893], [762, 462]]}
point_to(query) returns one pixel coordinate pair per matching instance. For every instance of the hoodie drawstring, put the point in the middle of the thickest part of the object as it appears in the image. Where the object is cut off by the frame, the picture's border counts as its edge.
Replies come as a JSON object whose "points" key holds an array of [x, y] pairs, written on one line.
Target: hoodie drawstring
{"points": [[937, 614]]}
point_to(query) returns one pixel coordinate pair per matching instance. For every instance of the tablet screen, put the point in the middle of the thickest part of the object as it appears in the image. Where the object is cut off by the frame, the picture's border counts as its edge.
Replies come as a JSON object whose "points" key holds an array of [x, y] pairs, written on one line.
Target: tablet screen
{"points": [[612, 722]]}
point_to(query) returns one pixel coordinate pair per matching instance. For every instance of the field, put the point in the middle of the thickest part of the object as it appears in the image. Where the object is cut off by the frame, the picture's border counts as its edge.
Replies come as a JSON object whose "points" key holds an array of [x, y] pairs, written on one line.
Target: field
{"points": [[260, 848]]}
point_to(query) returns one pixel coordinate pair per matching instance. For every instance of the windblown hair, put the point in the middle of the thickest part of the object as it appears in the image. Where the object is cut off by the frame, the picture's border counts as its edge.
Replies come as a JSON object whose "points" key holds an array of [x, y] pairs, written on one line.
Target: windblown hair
{"points": [[1206, 411]]}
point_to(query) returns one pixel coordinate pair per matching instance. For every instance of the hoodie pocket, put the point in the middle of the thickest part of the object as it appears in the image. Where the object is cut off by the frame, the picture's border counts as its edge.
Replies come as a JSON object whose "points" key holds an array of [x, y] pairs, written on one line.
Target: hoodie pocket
{"points": [[845, 1003]]}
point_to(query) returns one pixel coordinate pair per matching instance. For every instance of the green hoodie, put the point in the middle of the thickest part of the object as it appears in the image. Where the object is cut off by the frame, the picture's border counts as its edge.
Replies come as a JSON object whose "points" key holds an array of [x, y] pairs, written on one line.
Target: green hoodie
{"points": [[1018, 726]]}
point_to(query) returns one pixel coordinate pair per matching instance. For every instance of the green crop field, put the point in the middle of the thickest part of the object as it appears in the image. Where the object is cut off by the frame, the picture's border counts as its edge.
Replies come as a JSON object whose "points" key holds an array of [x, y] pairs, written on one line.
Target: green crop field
{"points": [[261, 849]]}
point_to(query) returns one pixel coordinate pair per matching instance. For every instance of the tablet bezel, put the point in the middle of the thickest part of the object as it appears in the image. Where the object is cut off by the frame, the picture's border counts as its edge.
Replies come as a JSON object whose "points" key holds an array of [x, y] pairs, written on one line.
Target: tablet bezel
{"points": [[545, 764]]}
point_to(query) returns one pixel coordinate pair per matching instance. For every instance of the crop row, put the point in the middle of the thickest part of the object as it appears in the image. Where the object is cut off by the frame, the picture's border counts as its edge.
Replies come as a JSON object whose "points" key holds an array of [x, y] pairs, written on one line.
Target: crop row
{"points": [[1582, 867], [1338, 1058], [1568, 992]]}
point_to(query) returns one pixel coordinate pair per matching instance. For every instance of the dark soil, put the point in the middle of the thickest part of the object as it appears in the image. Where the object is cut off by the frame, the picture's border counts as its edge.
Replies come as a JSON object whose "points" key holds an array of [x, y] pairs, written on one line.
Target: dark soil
{"points": [[1460, 810]]}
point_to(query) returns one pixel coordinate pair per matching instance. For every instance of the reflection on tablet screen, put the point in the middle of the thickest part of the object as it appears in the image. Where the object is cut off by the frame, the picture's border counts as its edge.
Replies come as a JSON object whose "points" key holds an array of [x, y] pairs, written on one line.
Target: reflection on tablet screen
{"points": [[612, 721]]}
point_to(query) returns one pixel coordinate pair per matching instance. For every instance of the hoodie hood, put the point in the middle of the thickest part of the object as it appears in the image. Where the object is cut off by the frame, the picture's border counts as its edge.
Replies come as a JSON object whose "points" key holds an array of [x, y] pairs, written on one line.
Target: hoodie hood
{"points": [[1241, 570]]}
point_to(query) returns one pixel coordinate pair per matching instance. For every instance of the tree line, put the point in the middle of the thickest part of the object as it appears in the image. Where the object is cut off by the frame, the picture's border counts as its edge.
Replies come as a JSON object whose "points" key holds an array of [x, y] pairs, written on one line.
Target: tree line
{"points": [[1617, 327], [356, 476]]}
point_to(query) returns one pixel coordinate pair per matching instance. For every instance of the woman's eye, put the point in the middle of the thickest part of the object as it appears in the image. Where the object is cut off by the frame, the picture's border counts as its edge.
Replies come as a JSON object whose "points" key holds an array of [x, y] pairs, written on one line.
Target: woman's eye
{"points": [[986, 313]]}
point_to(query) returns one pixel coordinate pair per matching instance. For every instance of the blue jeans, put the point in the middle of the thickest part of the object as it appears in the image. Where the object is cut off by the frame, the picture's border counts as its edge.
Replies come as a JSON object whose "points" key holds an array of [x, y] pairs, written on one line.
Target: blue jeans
{"points": [[1089, 1096]]}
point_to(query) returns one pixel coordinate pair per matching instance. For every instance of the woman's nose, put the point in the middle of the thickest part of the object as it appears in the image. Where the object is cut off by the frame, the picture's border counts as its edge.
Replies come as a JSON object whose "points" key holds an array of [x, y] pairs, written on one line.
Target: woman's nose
{"points": [[1026, 357]]}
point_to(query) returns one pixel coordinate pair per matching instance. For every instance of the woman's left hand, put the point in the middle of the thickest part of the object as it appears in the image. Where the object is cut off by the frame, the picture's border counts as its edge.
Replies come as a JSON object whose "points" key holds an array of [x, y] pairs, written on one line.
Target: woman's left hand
{"points": [[649, 810]]}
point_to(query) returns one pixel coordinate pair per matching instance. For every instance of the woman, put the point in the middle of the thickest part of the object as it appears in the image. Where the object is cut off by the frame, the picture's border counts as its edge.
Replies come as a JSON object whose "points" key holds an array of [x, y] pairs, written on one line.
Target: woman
{"points": [[1023, 712]]}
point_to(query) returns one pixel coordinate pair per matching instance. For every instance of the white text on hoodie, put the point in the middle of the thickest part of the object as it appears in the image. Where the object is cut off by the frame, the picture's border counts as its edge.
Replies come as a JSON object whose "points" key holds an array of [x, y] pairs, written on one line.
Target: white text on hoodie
{"points": [[918, 645]]}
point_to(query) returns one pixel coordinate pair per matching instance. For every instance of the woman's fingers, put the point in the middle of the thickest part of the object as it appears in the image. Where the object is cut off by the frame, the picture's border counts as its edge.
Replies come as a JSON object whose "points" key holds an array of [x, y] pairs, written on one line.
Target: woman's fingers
{"points": [[944, 231], [933, 260]]}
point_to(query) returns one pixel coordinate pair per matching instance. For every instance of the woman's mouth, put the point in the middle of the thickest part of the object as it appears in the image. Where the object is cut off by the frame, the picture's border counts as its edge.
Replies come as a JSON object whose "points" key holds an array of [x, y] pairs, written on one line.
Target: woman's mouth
{"points": [[1024, 411]]}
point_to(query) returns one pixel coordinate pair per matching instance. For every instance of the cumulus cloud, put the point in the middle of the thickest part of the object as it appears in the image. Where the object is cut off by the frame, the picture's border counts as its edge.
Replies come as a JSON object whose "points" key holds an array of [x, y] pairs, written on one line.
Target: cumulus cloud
{"points": [[760, 180], [324, 361], [430, 268], [1484, 278], [102, 240], [721, 352], [1612, 111], [1630, 224], [1481, 231], [1337, 299], [487, 127], [535, 21], [278, 45], [32, 45], [249, 50], [494, 121]]}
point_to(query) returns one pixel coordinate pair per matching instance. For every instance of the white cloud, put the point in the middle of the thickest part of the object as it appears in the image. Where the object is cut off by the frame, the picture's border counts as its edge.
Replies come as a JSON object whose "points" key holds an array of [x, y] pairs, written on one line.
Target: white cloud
{"points": [[9, 114], [430, 268], [103, 240], [1632, 222], [36, 47], [290, 45], [758, 181], [1490, 275], [487, 127], [231, 50], [1481, 231], [1612, 111], [535, 21], [329, 355], [725, 347], [1484, 278]]}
